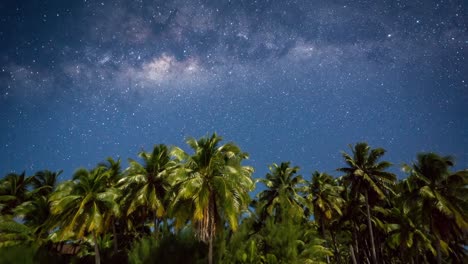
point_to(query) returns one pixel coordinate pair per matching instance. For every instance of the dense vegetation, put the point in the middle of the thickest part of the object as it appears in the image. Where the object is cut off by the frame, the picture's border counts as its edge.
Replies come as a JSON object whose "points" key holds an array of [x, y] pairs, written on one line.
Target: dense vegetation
{"points": [[171, 206]]}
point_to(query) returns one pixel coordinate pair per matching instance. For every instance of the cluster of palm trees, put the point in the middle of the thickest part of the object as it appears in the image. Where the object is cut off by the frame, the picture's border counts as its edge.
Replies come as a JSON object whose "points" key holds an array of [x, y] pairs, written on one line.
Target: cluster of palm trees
{"points": [[199, 204]]}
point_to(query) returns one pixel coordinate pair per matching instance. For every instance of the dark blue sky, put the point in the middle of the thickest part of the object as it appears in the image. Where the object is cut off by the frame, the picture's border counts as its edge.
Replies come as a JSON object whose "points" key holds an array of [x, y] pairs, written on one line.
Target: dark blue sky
{"points": [[286, 80]]}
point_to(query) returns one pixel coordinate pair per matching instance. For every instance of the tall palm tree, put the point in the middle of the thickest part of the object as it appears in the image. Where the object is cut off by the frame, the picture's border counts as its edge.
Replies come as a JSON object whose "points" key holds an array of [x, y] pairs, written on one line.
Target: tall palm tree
{"points": [[366, 175], [212, 187], [114, 170], [82, 205], [324, 195], [442, 194], [283, 192], [145, 185]]}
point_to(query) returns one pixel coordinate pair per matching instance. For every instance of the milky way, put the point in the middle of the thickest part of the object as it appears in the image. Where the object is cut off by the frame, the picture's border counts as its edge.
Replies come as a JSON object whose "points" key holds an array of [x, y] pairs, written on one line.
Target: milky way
{"points": [[286, 80]]}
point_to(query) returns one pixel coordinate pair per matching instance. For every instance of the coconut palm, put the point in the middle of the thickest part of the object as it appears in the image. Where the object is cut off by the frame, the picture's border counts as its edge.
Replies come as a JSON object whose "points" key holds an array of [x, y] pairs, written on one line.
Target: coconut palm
{"points": [[13, 192], [212, 187], [406, 235], [45, 181], [366, 175], [443, 196], [283, 192], [114, 170], [81, 206], [13, 233], [36, 214], [145, 185], [324, 195]]}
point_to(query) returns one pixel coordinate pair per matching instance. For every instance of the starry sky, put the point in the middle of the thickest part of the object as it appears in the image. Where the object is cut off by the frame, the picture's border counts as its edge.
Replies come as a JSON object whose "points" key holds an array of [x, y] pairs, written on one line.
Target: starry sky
{"points": [[286, 80]]}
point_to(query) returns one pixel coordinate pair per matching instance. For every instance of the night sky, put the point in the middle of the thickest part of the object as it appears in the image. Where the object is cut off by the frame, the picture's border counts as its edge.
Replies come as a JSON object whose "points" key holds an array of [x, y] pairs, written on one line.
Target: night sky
{"points": [[286, 80]]}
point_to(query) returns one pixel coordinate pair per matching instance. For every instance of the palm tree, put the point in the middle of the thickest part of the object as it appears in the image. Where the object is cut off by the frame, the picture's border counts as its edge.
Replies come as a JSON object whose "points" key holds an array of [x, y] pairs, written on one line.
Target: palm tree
{"points": [[442, 194], [145, 186], [365, 175], [324, 195], [114, 170], [45, 181], [13, 233], [82, 205], [283, 192], [211, 187], [35, 213], [13, 192], [406, 235]]}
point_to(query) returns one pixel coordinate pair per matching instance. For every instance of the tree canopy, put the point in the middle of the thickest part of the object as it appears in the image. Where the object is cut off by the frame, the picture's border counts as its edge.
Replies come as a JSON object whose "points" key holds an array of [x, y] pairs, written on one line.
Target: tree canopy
{"points": [[200, 206]]}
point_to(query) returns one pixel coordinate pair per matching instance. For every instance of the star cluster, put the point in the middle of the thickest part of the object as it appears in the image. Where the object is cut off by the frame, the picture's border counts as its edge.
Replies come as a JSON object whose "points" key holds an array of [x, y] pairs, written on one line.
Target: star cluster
{"points": [[286, 80]]}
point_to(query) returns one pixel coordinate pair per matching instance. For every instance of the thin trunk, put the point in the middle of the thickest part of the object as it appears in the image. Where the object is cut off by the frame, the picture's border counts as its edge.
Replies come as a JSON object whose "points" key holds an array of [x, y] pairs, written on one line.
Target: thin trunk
{"points": [[211, 226], [97, 256], [335, 247], [156, 227], [114, 231], [356, 242], [353, 256], [371, 233], [322, 226], [437, 242], [367, 252], [165, 226], [439, 253], [210, 250]]}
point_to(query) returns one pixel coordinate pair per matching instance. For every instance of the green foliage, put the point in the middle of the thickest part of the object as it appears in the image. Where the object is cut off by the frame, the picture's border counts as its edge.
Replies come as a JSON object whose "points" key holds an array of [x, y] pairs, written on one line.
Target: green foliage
{"points": [[13, 191], [23, 254], [13, 233], [282, 196], [212, 187], [172, 206], [180, 248]]}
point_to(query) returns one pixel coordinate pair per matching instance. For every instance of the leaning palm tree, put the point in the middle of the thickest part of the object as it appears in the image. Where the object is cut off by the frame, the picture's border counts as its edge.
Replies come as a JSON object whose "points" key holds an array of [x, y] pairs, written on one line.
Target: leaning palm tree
{"points": [[284, 187], [81, 206], [366, 175], [443, 196], [211, 188], [145, 185]]}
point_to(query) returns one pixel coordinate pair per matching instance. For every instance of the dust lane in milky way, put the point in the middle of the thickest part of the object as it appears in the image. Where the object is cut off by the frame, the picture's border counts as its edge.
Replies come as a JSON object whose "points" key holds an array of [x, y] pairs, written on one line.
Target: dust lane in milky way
{"points": [[286, 80]]}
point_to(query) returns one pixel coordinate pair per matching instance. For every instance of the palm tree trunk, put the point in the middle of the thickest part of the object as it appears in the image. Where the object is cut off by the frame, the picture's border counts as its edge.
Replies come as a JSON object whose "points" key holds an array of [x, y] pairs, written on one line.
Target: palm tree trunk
{"points": [[356, 242], [114, 231], [437, 242], [351, 250], [210, 250], [165, 226], [212, 226], [335, 247], [439, 253], [156, 227], [322, 226], [97, 256], [371, 233]]}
